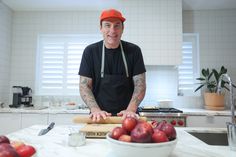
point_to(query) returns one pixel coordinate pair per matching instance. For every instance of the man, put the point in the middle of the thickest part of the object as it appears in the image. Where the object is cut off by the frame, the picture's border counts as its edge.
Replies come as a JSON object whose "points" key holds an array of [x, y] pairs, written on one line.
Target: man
{"points": [[112, 72]]}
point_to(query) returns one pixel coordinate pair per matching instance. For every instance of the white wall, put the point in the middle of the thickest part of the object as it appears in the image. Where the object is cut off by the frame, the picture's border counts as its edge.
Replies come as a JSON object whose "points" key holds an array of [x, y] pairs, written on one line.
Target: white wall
{"points": [[5, 50], [217, 37], [156, 26]]}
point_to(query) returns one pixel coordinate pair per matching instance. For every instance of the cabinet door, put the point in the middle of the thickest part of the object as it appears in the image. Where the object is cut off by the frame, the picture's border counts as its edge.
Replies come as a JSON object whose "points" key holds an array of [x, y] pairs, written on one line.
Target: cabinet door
{"points": [[9, 122], [29, 119], [208, 121], [62, 118]]}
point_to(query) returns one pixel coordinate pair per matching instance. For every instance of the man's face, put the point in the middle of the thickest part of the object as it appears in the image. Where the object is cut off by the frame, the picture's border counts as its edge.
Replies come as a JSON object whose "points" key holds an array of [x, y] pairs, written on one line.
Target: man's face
{"points": [[112, 29]]}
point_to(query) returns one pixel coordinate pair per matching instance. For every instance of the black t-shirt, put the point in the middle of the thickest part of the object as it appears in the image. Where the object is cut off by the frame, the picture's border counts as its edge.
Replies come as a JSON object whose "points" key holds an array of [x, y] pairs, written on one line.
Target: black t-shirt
{"points": [[92, 57]]}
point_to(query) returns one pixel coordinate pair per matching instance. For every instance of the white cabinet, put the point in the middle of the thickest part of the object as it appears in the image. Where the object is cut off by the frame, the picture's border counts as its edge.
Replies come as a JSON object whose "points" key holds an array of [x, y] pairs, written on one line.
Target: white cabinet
{"points": [[61, 118], [29, 119], [208, 121], [9, 122]]}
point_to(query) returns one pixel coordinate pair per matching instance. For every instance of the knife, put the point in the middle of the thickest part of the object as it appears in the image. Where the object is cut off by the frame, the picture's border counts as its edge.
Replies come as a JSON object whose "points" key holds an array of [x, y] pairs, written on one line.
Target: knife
{"points": [[44, 131]]}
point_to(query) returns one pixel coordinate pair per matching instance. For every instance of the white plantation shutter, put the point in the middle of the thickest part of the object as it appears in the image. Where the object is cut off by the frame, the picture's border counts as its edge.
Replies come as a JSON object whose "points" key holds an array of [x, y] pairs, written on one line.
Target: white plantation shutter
{"points": [[58, 62], [188, 71]]}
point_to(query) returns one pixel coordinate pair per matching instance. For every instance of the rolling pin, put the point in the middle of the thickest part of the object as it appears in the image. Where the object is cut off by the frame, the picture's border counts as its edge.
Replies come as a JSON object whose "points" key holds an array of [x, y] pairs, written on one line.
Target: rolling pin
{"points": [[108, 120]]}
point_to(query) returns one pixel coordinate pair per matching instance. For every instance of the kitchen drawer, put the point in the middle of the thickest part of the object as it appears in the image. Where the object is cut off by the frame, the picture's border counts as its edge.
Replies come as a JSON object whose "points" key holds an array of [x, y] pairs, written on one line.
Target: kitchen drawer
{"points": [[208, 121], [9, 122]]}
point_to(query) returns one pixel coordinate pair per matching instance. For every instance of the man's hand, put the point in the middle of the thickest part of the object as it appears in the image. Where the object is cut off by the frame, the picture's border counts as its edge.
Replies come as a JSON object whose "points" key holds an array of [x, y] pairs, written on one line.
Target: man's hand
{"points": [[97, 115], [126, 113]]}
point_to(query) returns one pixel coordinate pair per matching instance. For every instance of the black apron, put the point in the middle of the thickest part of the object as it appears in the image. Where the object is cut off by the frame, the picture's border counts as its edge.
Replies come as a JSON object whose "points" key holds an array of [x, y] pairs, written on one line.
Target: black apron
{"points": [[114, 91]]}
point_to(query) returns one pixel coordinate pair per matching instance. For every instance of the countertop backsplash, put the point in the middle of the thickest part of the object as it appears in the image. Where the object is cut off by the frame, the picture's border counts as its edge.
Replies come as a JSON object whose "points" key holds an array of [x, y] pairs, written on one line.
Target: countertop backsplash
{"points": [[57, 101]]}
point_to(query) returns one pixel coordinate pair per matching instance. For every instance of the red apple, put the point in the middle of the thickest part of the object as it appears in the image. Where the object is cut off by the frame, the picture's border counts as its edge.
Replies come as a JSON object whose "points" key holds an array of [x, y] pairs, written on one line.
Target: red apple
{"points": [[8, 153], [117, 132], [147, 126], [129, 123], [159, 136], [4, 139], [169, 131], [125, 138], [161, 124], [142, 133], [16, 144], [26, 151], [154, 123], [6, 150]]}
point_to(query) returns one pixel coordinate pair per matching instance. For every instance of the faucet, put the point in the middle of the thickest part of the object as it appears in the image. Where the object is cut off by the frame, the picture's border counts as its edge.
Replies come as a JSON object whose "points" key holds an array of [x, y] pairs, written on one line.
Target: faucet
{"points": [[230, 92], [231, 127], [2, 104]]}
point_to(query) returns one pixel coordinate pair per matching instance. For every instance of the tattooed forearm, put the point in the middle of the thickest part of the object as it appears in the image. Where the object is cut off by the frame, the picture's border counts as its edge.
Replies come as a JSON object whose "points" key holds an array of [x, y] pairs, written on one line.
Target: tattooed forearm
{"points": [[139, 90], [86, 93]]}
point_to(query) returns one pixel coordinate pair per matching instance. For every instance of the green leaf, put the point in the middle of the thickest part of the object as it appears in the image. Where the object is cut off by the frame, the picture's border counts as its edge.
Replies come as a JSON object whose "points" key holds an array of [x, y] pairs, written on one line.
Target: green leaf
{"points": [[233, 85], [200, 79], [223, 70], [199, 87], [209, 77], [204, 72], [226, 88]]}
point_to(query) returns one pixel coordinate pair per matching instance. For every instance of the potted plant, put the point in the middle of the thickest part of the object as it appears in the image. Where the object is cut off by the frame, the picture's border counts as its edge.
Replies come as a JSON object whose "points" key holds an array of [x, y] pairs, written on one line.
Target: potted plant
{"points": [[210, 80]]}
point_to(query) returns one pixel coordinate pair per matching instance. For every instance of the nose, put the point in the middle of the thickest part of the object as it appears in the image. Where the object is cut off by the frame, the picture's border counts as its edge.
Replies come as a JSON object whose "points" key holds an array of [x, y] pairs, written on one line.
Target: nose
{"points": [[113, 28]]}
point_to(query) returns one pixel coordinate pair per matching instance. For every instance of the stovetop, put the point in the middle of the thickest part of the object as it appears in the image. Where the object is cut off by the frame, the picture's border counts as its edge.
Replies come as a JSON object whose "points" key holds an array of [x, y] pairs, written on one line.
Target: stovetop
{"points": [[159, 110]]}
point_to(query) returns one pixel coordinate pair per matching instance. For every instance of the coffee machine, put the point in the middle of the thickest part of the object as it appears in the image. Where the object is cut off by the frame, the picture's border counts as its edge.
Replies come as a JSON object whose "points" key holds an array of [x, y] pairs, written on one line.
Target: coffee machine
{"points": [[21, 96]]}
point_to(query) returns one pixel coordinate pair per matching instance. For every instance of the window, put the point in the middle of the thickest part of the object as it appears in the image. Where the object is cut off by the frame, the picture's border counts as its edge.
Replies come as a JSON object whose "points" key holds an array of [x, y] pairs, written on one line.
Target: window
{"points": [[58, 61], [188, 71]]}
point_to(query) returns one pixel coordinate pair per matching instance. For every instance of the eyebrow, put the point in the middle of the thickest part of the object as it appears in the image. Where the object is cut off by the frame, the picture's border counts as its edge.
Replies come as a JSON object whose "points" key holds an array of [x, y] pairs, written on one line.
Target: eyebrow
{"points": [[107, 22]]}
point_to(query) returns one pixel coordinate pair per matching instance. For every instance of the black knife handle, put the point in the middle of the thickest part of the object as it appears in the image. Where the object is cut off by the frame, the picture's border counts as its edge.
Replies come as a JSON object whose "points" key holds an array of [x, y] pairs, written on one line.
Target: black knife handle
{"points": [[51, 125]]}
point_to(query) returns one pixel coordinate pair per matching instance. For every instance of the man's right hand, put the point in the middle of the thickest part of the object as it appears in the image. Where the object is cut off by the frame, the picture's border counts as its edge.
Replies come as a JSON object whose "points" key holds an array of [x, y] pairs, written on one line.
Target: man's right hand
{"points": [[96, 115]]}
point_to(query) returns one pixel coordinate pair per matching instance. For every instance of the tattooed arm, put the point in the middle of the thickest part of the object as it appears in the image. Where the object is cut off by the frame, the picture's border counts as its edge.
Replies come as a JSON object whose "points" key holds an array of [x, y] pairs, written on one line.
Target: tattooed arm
{"points": [[86, 93], [137, 97]]}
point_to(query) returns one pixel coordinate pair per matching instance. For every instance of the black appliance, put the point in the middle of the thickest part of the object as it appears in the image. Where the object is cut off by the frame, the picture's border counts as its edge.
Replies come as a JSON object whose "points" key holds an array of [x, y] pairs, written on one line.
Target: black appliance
{"points": [[160, 110], [21, 96]]}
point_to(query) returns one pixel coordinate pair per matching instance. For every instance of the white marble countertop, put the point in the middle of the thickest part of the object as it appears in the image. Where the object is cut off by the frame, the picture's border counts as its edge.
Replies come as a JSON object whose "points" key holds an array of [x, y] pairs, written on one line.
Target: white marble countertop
{"points": [[187, 111], [41, 111], [204, 112], [54, 143]]}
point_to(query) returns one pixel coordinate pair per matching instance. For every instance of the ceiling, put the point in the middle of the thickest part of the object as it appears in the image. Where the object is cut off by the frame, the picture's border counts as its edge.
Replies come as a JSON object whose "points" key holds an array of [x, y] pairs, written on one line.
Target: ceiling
{"points": [[59, 5], [51, 5], [208, 4]]}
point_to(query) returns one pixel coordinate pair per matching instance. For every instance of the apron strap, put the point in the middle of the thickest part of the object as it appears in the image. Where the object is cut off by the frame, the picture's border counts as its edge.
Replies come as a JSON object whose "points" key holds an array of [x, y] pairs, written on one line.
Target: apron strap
{"points": [[123, 57], [103, 60]]}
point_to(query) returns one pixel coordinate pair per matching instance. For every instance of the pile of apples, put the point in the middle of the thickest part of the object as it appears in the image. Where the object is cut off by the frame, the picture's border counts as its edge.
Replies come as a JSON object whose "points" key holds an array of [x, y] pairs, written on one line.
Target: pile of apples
{"points": [[15, 148], [133, 130]]}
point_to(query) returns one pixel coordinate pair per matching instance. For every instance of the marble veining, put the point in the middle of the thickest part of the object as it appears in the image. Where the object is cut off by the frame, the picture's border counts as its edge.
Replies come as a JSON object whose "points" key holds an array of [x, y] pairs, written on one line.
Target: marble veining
{"points": [[55, 143]]}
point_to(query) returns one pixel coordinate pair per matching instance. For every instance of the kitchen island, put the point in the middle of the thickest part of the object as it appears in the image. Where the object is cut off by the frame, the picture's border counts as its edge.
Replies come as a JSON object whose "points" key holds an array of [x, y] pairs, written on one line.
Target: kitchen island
{"points": [[55, 143]]}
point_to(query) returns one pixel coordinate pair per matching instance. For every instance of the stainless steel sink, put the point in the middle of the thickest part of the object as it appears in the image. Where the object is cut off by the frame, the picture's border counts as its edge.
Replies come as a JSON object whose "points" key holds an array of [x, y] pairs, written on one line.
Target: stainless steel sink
{"points": [[212, 138]]}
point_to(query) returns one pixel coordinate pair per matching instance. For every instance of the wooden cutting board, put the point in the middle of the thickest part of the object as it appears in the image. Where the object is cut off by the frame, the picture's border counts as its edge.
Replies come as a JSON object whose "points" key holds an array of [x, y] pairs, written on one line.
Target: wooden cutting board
{"points": [[98, 130], [101, 128]]}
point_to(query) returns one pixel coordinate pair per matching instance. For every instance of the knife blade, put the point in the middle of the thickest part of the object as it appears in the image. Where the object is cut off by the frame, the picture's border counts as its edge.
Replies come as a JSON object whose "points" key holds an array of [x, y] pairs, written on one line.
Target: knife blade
{"points": [[44, 131]]}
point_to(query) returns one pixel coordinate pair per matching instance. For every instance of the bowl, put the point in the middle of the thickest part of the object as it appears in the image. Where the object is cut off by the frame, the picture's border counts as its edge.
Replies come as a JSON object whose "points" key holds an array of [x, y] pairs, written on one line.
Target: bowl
{"points": [[129, 149], [71, 106]]}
